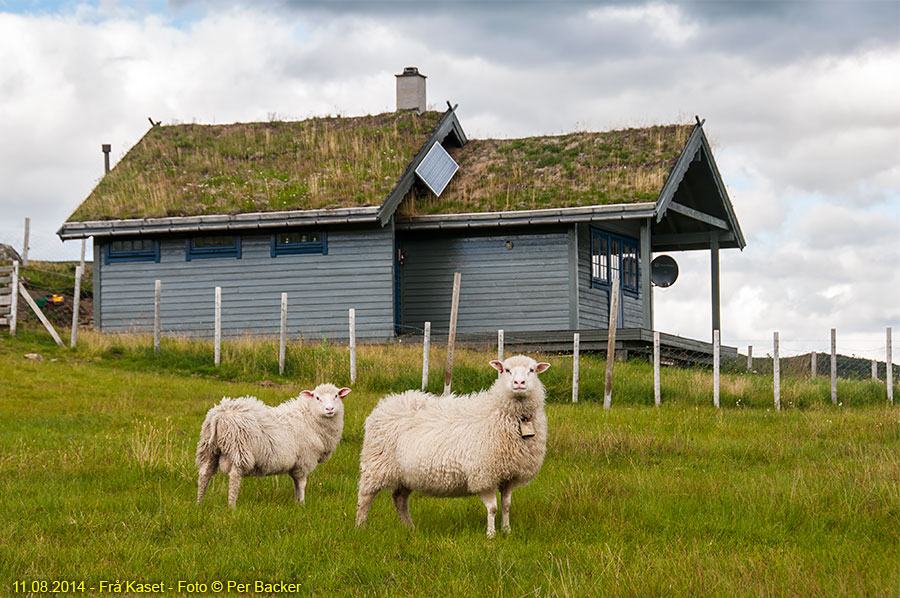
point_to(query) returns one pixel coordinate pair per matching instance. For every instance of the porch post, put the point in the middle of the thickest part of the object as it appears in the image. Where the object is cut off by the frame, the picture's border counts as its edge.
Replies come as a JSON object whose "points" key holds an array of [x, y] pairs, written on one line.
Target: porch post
{"points": [[644, 273], [714, 267]]}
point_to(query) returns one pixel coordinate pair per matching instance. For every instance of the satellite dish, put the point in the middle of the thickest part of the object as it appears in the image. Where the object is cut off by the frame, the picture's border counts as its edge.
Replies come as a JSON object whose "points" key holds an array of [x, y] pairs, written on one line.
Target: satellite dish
{"points": [[663, 271]]}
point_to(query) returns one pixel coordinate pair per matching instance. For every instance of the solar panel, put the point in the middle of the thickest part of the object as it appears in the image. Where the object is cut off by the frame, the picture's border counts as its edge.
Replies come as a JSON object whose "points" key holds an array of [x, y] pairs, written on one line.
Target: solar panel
{"points": [[436, 169]]}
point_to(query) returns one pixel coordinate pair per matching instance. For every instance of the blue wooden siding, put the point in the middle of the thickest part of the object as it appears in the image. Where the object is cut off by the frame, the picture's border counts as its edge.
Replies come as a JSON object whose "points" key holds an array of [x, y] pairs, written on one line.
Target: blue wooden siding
{"points": [[357, 272], [593, 302], [523, 288]]}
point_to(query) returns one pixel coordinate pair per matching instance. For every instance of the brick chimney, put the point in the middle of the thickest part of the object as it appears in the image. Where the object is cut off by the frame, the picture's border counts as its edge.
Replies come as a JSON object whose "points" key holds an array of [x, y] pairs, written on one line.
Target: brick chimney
{"points": [[411, 90]]}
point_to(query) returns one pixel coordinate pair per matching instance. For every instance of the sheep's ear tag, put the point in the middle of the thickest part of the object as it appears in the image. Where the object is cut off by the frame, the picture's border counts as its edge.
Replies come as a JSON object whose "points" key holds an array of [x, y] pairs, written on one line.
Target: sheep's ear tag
{"points": [[526, 427]]}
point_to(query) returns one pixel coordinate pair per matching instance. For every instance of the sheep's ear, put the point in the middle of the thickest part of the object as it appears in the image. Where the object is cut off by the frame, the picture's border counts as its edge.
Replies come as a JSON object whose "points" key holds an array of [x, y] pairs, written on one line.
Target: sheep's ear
{"points": [[307, 394], [497, 365], [542, 367], [343, 392]]}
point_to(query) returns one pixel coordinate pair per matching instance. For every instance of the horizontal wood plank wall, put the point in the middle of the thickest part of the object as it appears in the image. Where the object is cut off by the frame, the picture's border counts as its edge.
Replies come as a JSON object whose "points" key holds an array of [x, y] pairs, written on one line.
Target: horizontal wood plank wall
{"points": [[523, 288], [594, 302], [356, 272]]}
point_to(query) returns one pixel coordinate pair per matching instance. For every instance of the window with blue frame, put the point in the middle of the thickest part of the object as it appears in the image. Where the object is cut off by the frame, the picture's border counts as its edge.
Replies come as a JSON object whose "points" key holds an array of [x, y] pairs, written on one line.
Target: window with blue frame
{"points": [[131, 250], [213, 246], [614, 256], [298, 242]]}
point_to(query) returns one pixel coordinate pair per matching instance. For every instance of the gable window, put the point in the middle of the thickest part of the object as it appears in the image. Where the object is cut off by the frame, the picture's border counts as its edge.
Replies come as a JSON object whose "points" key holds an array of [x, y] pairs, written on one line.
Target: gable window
{"points": [[131, 250], [613, 256], [297, 242], [213, 246]]}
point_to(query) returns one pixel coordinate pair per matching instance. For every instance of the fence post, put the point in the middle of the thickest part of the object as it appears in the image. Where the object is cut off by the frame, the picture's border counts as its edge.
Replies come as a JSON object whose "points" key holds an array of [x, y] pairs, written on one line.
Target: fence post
{"points": [[218, 334], [282, 334], [749, 358], [500, 348], [14, 299], [716, 341], [426, 346], [833, 366], [25, 244], [576, 341], [657, 397], [874, 369], [157, 303], [813, 364], [75, 300], [889, 368], [776, 373], [454, 311], [611, 342], [83, 247], [352, 345]]}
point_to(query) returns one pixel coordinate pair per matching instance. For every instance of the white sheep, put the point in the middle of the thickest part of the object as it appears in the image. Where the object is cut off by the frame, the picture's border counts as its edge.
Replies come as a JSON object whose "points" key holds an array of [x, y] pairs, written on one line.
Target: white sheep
{"points": [[245, 437], [458, 445]]}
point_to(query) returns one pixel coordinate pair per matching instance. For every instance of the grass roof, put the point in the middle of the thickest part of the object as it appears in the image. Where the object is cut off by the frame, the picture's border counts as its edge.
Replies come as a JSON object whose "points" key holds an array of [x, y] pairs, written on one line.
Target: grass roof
{"points": [[578, 169], [189, 170]]}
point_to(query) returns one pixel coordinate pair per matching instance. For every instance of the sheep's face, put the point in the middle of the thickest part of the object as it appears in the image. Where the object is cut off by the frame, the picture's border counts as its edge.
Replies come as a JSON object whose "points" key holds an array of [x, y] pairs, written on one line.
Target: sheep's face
{"points": [[326, 400], [519, 373]]}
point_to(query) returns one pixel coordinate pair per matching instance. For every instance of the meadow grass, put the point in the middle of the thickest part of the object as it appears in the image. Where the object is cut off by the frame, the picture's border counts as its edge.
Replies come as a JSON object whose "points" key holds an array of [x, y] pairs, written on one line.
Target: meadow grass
{"points": [[97, 482]]}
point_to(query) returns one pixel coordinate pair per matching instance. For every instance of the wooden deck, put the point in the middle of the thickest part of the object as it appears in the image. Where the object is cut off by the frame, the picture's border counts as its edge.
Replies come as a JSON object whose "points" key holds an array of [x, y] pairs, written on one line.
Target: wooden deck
{"points": [[630, 342]]}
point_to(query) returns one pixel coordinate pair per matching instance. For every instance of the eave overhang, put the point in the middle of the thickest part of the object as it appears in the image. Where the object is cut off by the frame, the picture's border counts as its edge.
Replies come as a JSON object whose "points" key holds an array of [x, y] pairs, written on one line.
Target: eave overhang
{"points": [[527, 217], [217, 222]]}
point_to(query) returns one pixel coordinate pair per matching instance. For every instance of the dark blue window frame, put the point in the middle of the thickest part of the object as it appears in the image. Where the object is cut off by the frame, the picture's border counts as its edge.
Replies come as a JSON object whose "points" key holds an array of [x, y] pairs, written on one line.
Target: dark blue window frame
{"points": [[193, 252], [611, 252], [280, 246], [118, 255]]}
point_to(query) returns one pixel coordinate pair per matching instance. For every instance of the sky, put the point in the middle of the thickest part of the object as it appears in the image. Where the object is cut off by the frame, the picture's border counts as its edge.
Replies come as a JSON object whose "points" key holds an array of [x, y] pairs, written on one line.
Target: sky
{"points": [[800, 101]]}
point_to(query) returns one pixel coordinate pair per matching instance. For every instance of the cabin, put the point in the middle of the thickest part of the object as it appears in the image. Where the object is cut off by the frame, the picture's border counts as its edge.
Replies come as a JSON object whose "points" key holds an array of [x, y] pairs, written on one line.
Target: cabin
{"points": [[376, 213]]}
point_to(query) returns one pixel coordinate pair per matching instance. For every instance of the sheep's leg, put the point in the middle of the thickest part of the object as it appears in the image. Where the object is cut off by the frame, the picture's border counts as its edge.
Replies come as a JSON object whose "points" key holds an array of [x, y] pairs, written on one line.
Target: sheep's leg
{"points": [[362, 507], [234, 485], [299, 486], [207, 470], [401, 503], [490, 503], [505, 502]]}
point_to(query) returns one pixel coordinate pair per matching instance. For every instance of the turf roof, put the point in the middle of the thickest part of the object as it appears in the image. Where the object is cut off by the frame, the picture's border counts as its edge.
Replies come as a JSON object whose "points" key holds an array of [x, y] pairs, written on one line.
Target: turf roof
{"points": [[320, 163], [578, 169]]}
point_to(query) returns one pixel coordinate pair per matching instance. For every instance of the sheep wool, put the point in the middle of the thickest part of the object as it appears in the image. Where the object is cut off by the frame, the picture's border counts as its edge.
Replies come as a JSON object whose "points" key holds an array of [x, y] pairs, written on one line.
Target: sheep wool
{"points": [[476, 444], [245, 437]]}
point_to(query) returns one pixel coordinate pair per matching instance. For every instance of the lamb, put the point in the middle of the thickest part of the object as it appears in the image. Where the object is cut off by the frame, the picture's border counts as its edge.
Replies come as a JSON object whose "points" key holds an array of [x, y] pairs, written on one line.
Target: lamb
{"points": [[459, 445], [245, 437]]}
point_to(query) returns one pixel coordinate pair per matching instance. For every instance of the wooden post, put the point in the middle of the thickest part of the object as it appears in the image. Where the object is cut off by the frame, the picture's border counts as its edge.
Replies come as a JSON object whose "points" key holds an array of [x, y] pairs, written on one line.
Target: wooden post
{"points": [[14, 299], [25, 244], [83, 247], [657, 395], [218, 333], [75, 301], [576, 341], [776, 373], [426, 346], [834, 366], [889, 368], [874, 370], [282, 334], [352, 345], [716, 334], [37, 311], [499, 346], [611, 342], [454, 310], [813, 364], [157, 305], [749, 358]]}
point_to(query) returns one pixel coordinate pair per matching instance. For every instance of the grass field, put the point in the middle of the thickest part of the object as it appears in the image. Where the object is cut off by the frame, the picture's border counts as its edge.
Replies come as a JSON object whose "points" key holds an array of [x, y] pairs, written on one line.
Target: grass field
{"points": [[97, 483]]}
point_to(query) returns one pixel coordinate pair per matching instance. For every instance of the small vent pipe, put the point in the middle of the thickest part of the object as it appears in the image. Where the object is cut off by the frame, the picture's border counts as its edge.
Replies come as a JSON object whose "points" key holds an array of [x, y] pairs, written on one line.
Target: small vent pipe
{"points": [[106, 149]]}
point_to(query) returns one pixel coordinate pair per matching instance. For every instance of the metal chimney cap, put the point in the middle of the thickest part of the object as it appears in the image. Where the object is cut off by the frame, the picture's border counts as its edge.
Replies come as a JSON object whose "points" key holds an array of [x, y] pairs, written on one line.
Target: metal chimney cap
{"points": [[107, 148], [411, 71]]}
